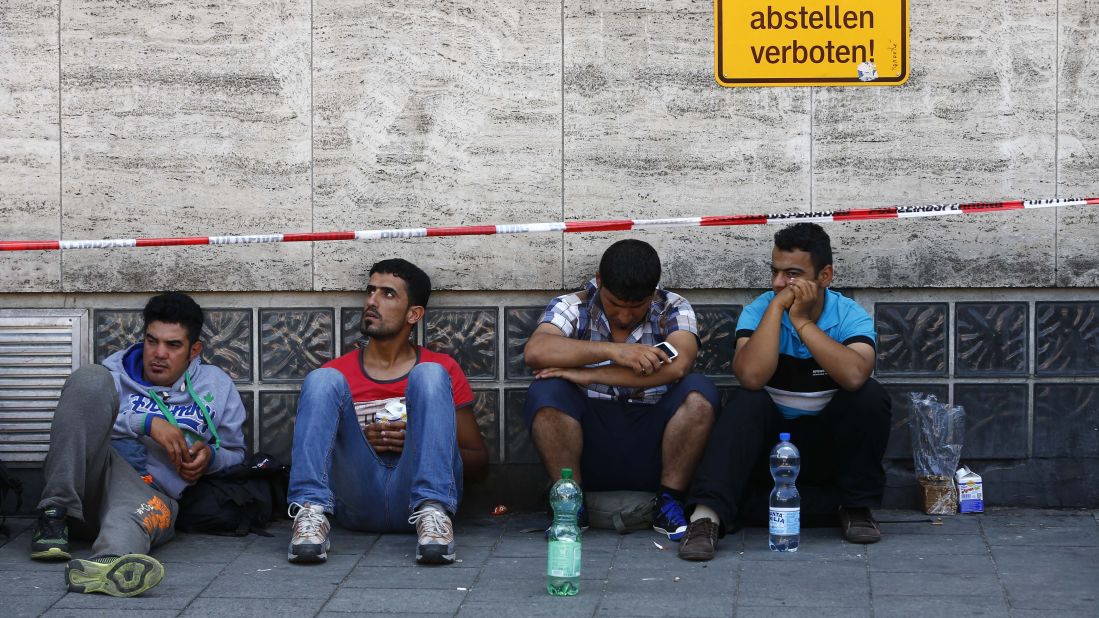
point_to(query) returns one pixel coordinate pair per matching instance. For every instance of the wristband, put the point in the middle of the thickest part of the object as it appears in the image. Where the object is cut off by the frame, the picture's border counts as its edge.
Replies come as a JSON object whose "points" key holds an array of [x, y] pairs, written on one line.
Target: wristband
{"points": [[798, 330]]}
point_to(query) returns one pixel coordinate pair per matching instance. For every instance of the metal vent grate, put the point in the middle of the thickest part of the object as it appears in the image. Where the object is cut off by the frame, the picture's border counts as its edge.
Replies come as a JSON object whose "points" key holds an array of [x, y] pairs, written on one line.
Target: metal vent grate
{"points": [[39, 348]]}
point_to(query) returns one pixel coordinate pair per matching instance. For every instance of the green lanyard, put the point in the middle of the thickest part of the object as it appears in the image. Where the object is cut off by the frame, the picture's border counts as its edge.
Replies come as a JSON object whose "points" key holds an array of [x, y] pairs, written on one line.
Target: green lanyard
{"points": [[201, 406]]}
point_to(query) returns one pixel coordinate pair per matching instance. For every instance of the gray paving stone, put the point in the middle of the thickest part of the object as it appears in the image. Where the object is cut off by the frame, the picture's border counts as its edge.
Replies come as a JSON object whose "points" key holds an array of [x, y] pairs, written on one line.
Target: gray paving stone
{"points": [[961, 584], [18, 605], [822, 543], [108, 613], [931, 603], [592, 565], [801, 612], [1049, 585], [249, 577], [254, 608], [1025, 559], [808, 584], [931, 563], [33, 581], [924, 544], [423, 601], [531, 599], [202, 548], [422, 577], [716, 603], [1071, 533]]}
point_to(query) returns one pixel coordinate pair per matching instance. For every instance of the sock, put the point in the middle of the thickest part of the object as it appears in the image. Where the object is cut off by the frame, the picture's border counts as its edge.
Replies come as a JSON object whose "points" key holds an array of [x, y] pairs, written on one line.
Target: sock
{"points": [[431, 504], [678, 494], [704, 512]]}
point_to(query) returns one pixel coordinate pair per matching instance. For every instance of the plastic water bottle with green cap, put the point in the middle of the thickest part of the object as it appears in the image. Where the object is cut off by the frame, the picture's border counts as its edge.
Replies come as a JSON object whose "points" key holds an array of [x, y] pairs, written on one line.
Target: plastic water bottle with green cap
{"points": [[563, 563]]}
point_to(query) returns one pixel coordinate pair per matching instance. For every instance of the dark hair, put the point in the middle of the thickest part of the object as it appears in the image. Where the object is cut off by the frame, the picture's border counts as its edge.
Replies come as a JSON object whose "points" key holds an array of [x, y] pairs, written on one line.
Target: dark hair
{"points": [[175, 308], [416, 280], [630, 269], [810, 238]]}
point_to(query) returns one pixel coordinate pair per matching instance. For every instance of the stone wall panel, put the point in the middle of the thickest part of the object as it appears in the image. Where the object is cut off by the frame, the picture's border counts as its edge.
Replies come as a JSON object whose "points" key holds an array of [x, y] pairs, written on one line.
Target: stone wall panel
{"points": [[30, 159], [185, 120]]}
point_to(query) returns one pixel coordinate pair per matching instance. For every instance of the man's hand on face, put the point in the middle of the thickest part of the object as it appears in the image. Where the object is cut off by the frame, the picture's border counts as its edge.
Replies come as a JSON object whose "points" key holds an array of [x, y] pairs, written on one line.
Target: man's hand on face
{"points": [[386, 436], [171, 440], [640, 358], [200, 458], [806, 301]]}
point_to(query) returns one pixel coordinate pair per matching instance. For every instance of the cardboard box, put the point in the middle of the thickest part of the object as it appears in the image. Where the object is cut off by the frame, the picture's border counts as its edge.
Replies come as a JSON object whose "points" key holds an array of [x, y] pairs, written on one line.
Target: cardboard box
{"points": [[937, 496], [971, 494]]}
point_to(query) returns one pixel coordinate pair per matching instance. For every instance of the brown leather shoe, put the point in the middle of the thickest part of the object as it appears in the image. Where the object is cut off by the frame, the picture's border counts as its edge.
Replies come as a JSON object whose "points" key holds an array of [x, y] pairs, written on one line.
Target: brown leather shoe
{"points": [[700, 540], [859, 526]]}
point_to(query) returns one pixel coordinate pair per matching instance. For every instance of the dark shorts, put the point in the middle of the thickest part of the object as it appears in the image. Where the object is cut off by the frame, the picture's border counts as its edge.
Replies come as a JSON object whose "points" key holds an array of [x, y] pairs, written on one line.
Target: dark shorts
{"points": [[622, 441]]}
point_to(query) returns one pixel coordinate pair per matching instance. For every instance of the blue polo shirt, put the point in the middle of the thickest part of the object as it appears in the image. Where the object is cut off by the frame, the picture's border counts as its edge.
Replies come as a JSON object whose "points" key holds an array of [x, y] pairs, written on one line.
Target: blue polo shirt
{"points": [[800, 386]]}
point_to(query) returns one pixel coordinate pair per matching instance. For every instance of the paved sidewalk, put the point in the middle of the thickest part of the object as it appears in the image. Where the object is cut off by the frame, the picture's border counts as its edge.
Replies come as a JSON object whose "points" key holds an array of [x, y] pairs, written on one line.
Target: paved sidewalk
{"points": [[1003, 563]]}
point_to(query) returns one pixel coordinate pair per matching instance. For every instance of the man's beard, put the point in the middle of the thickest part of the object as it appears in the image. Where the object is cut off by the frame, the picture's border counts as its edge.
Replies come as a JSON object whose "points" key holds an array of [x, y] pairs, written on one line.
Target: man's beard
{"points": [[376, 332]]}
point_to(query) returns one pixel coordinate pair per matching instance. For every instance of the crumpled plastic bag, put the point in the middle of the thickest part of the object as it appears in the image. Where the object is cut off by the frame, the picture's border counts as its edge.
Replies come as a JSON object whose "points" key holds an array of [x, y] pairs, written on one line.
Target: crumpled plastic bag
{"points": [[937, 431]]}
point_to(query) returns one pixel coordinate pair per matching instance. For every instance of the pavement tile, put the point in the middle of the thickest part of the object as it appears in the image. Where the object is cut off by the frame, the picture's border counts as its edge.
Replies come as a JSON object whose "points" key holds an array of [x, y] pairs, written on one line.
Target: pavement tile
{"points": [[807, 584], [923, 544], [274, 577], [108, 613], [983, 585], [1026, 559], [531, 600], [422, 601], [420, 577], [1071, 532], [928, 524], [181, 584], [593, 565], [1049, 586], [33, 581], [931, 604], [18, 606], [771, 611], [202, 548], [716, 603], [822, 543], [254, 608], [931, 563]]}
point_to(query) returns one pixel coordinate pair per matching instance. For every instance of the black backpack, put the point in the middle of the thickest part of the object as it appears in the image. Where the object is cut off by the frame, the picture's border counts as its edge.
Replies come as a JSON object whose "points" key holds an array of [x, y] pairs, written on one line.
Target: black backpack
{"points": [[242, 499], [8, 483]]}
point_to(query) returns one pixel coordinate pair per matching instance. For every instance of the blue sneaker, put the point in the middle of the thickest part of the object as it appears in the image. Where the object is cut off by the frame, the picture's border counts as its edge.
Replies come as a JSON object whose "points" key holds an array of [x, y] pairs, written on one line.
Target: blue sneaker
{"points": [[670, 519]]}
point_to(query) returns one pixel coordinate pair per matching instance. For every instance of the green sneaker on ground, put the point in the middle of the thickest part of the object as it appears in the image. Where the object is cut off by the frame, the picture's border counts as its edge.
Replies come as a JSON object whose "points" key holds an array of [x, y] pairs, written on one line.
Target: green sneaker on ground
{"points": [[118, 576], [50, 535]]}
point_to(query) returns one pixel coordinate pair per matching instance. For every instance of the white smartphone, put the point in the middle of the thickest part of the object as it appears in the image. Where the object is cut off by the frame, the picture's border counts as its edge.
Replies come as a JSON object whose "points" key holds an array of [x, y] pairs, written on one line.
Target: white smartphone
{"points": [[668, 349]]}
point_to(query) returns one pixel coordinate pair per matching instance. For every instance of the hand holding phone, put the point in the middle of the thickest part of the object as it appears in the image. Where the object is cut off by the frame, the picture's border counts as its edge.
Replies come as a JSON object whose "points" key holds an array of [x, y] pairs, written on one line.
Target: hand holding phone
{"points": [[668, 349]]}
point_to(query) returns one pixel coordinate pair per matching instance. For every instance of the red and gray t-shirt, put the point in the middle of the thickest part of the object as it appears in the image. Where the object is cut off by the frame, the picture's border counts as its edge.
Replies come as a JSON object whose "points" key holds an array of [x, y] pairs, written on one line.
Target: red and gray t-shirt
{"points": [[371, 396]]}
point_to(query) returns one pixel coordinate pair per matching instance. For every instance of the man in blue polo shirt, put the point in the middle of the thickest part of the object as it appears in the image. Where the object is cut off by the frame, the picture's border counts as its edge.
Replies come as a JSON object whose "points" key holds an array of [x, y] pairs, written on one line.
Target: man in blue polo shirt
{"points": [[804, 355]]}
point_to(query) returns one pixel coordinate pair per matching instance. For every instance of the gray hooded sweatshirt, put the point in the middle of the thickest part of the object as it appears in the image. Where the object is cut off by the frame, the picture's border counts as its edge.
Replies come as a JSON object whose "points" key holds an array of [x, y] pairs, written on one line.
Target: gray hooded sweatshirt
{"points": [[136, 410]]}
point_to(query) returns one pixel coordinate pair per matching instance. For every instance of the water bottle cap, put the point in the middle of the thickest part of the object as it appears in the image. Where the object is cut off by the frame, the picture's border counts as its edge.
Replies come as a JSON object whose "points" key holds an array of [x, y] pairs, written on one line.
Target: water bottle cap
{"points": [[784, 437], [566, 473]]}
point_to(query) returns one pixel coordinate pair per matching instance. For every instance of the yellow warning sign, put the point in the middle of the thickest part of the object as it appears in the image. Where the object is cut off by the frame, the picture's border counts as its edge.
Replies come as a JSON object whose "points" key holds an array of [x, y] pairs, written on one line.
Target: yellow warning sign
{"points": [[811, 42]]}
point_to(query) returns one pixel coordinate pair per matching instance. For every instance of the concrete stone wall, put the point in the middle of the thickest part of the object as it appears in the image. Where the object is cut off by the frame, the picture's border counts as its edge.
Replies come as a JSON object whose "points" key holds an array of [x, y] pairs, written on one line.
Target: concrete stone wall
{"points": [[174, 118]]}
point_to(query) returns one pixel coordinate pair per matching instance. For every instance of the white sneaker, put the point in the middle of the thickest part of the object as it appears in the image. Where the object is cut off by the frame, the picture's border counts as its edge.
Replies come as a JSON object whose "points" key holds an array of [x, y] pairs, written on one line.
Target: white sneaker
{"points": [[309, 540], [435, 534]]}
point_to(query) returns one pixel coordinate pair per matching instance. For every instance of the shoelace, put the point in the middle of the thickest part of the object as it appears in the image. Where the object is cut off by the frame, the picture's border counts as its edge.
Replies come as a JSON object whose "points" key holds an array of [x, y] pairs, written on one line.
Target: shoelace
{"points": [[672, 511], [435, 522], [307, 522], [52, 527]]}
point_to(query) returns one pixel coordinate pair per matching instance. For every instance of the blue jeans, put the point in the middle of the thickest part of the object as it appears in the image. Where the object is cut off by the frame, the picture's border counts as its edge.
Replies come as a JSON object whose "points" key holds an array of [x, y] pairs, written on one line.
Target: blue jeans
{"points": [[336, 468]]}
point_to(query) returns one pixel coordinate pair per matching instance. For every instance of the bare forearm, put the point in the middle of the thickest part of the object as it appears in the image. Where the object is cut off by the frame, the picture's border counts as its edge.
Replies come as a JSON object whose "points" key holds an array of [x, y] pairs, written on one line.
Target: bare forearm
{"points": [[755, 362], [616, 375], [544, 350], [844, 365]]}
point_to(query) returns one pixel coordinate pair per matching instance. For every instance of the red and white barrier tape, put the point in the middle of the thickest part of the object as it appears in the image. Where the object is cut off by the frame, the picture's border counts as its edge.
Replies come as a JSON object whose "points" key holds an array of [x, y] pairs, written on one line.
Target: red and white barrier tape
{"points": [[858, 214]]}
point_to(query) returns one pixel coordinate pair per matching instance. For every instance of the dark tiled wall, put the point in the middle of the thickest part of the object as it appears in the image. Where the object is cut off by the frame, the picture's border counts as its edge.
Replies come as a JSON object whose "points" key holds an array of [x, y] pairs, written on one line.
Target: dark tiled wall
{"points": [[1026, 372]]}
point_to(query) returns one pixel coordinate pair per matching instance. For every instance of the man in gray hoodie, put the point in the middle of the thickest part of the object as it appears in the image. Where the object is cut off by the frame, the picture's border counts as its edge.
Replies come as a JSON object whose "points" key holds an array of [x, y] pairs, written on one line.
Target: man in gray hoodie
{"points": [[127, 438]]}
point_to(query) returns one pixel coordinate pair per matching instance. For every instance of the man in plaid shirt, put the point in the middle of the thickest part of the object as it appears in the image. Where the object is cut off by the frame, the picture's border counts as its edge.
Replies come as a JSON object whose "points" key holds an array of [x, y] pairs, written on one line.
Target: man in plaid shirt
{"points": [[607, 403]]}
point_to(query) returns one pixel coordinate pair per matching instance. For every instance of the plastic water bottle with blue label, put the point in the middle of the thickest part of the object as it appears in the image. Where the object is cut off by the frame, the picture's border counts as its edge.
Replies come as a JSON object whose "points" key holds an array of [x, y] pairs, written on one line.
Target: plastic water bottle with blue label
{"points": [[785, 502], [563, 563]]}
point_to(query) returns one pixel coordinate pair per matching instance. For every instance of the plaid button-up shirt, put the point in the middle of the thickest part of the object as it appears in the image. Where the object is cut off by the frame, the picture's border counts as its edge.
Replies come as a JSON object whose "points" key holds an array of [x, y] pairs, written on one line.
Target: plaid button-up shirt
{"points": [[580, 316]]}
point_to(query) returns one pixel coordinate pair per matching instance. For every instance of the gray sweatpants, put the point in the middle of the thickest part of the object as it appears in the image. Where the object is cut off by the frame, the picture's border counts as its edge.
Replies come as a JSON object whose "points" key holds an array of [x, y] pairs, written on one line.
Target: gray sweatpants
{"points": [[107, 500]]}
